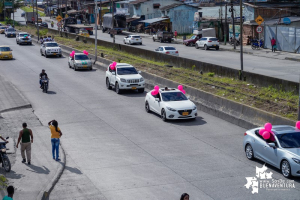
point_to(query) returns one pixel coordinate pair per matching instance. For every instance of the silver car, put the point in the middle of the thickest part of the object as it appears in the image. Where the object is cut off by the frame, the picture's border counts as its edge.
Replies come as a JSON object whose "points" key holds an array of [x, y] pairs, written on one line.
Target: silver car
{"points": [[80, 61], [283, 153], [23, 38]]}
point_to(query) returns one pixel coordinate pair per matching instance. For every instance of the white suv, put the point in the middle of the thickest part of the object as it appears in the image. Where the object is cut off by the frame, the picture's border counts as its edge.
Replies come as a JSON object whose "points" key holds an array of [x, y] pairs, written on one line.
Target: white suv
{"points": [[133, 39], [50, 49], [23, 38], [207, 43], [125, 77]]}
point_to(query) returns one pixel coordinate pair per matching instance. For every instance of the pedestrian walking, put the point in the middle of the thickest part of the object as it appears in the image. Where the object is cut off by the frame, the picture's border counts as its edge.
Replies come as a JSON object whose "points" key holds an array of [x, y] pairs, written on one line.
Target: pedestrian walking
{"points": [[185, 196], [273, 43], [55, 138], [175, 34], [10, 193], [25, 135]]}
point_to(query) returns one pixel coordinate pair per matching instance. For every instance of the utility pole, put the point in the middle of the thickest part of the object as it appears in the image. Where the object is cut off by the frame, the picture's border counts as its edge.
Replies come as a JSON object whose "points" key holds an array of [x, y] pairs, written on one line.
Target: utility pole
{"points": [[13, 9], [241, 40], [233, 28], [96, 29], [225, 29], [112, 21], [37, 21]]}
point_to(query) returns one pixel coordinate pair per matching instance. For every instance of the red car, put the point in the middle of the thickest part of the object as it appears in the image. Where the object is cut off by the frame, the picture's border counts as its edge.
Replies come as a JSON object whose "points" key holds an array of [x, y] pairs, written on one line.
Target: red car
{"points": [[192, 40]]}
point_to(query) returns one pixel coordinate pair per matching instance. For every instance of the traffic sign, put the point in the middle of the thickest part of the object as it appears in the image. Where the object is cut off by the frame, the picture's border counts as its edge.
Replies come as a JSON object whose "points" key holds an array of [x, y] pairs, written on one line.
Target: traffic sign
{"points": [[259, 20], [259, 29], [66, 16], [58, 18], [59, 24]]}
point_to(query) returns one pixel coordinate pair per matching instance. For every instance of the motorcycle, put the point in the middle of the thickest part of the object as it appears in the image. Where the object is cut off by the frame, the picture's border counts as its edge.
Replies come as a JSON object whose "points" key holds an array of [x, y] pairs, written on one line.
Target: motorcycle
{"points": [[256, 44], [3, 157], [231, 41], [45, 85]]}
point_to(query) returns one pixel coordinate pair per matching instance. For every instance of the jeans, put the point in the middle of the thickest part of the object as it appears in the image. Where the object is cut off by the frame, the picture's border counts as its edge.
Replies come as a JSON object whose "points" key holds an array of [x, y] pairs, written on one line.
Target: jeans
{"points": [[55, 147], [273, 48]]}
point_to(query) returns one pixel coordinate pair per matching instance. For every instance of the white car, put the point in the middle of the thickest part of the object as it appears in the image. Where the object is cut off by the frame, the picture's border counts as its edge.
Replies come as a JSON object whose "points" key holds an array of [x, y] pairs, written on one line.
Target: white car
{"points": [[170, 104], [50, 49], [80, 61], [133, 39], [167, 50], [125, 77], [23, 38], [207, 43]]}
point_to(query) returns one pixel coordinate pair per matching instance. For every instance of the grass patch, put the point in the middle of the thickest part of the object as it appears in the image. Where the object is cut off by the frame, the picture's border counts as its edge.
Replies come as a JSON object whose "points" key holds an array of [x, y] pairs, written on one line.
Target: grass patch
{"points": [[28, 9], [269, 99], [3, 182]]}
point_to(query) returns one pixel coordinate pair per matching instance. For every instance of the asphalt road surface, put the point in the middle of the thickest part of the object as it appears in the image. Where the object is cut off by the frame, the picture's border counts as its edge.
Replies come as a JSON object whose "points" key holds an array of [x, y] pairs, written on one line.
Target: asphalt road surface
{"points": [[115, 150], [283, 69]]}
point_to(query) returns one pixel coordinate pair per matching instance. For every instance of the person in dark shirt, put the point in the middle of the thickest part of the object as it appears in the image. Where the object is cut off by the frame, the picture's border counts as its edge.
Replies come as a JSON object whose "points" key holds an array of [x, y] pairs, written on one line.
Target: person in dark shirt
{"points": [[43, 76]]}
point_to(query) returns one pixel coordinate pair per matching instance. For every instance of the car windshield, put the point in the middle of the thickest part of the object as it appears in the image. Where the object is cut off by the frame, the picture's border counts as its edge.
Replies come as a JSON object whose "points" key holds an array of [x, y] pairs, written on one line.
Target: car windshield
{"points": [[11, 30], [51, 45], [170, 48], [81, 57], [24, 35], [4, 49], [289, 140], [213, 39], [173, 96], [136, 36], [193, 37], [126, 71]]}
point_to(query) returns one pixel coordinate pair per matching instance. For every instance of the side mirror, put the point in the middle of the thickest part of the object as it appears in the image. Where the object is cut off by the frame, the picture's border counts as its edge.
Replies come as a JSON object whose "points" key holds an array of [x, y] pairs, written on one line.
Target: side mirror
{"points": [[113, 73], [72, 58], [157, 99], [272, 145], [139, 72]]}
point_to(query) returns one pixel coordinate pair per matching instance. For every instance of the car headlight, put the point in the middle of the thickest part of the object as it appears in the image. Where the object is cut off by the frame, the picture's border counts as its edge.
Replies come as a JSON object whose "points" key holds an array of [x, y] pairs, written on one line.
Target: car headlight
{"points": [[59, 50], [48, 50], [3, 150], [171, 109], [141, 79], [296, 160], [123, 80], [195, 107]]}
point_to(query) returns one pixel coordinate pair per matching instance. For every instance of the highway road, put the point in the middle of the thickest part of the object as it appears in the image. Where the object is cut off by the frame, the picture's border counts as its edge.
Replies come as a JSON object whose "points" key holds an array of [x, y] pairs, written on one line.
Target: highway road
{"points": [[273, 67], [115, 150]]}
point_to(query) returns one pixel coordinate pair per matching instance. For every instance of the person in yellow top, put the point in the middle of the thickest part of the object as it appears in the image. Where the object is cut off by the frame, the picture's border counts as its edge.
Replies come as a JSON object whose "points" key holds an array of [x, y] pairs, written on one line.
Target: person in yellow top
{"points": [[55, 135]]}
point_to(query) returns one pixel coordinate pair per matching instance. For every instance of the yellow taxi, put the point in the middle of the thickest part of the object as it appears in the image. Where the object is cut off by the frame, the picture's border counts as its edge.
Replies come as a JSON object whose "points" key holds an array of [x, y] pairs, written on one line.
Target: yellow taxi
{"points": [[5, 52], [2, 29], [84, 33]]}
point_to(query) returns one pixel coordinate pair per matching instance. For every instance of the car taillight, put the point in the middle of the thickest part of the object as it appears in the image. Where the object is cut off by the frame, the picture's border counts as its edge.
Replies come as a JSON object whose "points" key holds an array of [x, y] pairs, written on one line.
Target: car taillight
{"points": [[218, 40], [167, 52], [176, 52], [209, 41], [245, 134]]}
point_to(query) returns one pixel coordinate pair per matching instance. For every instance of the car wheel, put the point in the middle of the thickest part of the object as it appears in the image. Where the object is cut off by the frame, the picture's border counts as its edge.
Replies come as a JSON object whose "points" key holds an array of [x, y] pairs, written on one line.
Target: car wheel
{"points": [[163, 115], [41, 53], [196, 46], [191, 44], [74, 68], [249, 152], [141, 43], [59, 56], [124, 42], [118, 91], [141, 90], [147, 108], [205, 47], [153, 39], [69, 65], [285, 169], [217, 48], [46, 54], [161, 40], [108, 86]]}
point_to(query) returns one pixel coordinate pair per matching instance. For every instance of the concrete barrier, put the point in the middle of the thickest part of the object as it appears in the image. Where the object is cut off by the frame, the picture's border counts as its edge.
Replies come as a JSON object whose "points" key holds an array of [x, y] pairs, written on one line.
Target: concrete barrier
{"points": [[256, 79]]}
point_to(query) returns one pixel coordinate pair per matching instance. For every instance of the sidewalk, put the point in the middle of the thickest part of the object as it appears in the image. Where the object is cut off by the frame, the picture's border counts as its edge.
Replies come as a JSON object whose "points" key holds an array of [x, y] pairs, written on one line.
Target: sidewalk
{"points": [[30, 181]]}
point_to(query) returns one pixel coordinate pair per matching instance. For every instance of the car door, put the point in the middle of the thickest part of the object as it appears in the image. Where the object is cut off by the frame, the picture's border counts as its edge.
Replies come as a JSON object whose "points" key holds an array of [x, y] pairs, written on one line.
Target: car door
{"points": [[258, 145], [270, 154], [17, 37], [112, 76], [156, 105], [161, 50]]}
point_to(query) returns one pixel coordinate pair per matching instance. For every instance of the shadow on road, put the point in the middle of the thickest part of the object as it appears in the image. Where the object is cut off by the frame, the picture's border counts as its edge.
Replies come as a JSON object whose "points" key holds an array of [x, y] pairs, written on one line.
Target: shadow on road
{"points": [[12, 174], [39, 170], [51, 92], [86, 70], [73, 170], [133, 93], [188, 122]]}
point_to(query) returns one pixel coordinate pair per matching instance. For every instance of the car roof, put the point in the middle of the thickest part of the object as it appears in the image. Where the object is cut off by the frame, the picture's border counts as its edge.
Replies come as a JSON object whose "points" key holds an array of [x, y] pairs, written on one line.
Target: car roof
{"points": [[281, 129], [168, 46], [24, 33], [79, 54], [134, 35], [120, 65], [162, 90], [4, 46], [50, 42]]}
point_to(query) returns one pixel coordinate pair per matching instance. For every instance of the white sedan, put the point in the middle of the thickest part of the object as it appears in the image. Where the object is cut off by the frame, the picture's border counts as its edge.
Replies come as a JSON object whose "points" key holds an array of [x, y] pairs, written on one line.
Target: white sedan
{"points": [[133, 39], [170, 104], [167, 50], [207, 43]]}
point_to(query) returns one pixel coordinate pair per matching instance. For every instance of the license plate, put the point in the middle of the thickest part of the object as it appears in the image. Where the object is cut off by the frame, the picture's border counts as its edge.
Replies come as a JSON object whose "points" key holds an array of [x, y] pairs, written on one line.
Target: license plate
{"points": [[185, 113], [54, 54], [11, 35], [84, 65], [133, 88], [214, 45], [137, 39]]}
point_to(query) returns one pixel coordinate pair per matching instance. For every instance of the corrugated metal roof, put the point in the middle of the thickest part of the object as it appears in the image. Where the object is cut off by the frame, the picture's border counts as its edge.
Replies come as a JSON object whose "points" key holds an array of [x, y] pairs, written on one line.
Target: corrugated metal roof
{"points": [[137, 1], [151, 21]]}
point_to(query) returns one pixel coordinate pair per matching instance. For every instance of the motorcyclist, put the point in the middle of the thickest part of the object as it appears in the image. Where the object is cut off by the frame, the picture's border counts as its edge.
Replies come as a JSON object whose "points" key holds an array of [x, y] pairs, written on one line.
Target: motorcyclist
{"points": [[41, 40], [43, 76]]}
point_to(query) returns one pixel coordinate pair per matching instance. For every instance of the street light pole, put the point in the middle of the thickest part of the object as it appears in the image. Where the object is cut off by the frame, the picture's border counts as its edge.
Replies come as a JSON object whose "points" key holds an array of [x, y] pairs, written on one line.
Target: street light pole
{"points": [[233, 28], [241, 40], [96, 29], [37, 20], [113, 19], [13, 9]]}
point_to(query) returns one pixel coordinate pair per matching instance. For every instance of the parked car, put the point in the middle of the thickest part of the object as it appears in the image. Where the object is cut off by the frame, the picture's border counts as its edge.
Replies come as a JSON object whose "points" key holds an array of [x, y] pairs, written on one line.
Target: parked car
{"points": [[170, 104], [133, 39], [167, 50], [10, 32], [192, 40], [84, 33], [5, 52], [23, 38], [125, 77], [80, 61], [50, 49], [44, 24], [2, 29], [282, 151], [207, 43], [163, 36]]}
